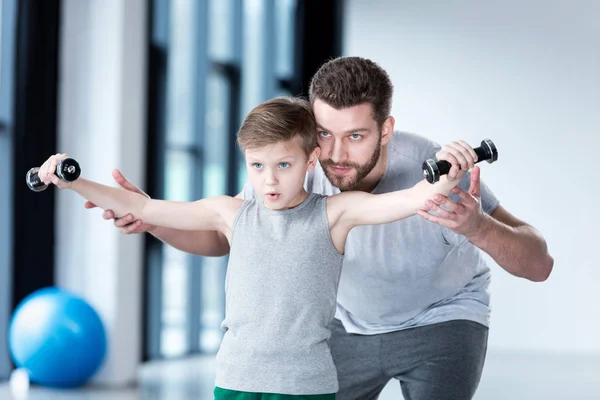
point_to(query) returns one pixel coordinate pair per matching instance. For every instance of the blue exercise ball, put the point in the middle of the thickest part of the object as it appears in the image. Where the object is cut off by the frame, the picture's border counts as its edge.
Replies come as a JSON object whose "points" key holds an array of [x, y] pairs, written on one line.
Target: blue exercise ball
{"points": [[58, 338]]}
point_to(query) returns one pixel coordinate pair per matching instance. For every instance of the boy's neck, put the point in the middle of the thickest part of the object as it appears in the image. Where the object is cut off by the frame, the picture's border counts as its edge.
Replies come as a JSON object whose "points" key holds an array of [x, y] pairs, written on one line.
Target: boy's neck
{"points": [[299, 199]]}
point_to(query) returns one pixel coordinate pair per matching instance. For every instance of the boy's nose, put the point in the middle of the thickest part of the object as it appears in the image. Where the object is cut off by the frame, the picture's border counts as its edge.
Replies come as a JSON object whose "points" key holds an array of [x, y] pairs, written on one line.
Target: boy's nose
{"points": [[271, 179]]}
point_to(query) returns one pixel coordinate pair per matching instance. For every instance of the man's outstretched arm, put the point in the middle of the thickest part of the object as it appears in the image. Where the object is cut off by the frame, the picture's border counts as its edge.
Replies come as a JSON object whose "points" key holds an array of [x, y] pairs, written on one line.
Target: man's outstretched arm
{"points": [[203, 243]]}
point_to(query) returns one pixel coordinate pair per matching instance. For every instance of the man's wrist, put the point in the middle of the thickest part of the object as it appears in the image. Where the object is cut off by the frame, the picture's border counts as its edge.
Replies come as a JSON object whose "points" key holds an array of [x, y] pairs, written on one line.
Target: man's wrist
{"points": [[485, 227], [156, 231]]}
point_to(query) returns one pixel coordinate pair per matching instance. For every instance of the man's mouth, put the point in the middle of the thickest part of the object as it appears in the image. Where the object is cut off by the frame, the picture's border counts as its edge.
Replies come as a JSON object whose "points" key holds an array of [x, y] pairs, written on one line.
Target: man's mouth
{"points": [[339, 171]]}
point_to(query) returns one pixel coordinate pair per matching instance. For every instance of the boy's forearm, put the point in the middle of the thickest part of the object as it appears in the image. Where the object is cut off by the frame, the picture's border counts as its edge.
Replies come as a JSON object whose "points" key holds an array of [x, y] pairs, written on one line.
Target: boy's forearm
{"points": [[394, 206], [121, 202], [202, 243], [424, 191]]}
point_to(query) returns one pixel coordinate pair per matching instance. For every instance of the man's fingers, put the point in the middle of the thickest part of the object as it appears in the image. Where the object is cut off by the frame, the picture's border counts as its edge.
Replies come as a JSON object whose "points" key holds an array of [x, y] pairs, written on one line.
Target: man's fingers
{"points": [[466, 199], [475, 185], [449, 204], [108, 214], [440, 212], [131, 228], [89, 204], [123, 182], [124, 221], [440, 221]]}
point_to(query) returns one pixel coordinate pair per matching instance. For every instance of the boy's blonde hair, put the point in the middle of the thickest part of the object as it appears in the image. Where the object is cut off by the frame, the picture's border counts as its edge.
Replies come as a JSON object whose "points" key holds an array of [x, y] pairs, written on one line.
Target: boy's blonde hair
{"points": [[279, 119]]}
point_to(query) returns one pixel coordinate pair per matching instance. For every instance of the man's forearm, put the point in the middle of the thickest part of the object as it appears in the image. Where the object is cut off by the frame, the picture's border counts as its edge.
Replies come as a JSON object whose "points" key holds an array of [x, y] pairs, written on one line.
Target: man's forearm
{"points": [[202, 243], [520, 250]]}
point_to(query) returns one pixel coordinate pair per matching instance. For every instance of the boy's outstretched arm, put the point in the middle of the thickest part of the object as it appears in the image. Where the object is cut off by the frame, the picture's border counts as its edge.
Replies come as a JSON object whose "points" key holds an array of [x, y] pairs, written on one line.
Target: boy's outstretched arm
{"points": [[360, 208], [352, 209], [206, 214]]}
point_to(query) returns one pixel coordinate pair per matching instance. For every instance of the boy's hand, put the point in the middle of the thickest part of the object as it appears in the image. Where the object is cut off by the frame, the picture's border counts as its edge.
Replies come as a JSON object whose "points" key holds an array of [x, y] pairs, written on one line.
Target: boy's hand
{"points": [[48, 169], [126, 224], [461, 157]]}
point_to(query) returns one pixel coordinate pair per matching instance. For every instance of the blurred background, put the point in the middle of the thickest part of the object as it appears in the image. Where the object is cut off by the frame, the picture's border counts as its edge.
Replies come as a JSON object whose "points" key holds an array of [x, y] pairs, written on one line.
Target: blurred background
{"points": [[158, 88]]}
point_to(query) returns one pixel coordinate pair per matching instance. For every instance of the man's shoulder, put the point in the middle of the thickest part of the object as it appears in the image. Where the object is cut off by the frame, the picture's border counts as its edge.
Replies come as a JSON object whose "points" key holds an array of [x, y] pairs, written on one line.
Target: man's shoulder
{"points": [[412, 146]]}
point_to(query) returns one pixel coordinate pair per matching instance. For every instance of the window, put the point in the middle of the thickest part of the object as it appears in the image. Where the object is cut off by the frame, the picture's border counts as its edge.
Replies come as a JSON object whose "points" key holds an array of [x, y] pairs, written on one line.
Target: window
{"points": [[7, 36], [211, 62]]}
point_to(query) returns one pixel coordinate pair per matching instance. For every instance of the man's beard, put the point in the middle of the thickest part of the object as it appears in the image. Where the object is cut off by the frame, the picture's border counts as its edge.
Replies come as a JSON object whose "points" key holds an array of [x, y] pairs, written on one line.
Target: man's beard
{"points": [[349, 182]]}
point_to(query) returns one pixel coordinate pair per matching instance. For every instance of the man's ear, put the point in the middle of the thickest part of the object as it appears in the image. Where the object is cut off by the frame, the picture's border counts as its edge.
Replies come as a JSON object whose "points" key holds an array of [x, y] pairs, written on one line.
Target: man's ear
{"points": [[313, 158], [387, 130]]}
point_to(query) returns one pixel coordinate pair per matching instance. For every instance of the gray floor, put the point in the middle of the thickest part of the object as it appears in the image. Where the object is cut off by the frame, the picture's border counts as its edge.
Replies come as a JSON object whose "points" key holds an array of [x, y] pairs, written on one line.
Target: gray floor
{"points": [[506, 376]]}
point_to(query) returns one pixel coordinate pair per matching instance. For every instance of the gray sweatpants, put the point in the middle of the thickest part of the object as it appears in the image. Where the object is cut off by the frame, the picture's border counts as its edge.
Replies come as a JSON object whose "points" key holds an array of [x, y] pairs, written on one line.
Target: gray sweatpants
{"points": [[441, 361]]}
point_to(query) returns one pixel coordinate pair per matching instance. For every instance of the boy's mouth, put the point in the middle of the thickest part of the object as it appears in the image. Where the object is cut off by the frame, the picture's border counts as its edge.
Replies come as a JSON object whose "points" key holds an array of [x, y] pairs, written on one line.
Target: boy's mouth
{"points": [[272, 196]]}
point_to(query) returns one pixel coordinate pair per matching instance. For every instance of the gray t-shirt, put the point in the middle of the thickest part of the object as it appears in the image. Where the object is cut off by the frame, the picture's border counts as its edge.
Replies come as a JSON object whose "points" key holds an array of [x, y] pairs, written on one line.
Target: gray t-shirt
{"points": [[281, 287], [412, 272]]}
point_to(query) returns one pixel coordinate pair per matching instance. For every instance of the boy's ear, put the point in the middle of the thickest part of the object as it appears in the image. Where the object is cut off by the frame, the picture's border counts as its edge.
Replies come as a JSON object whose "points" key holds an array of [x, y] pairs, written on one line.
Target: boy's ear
{"points": [[313, 158]]}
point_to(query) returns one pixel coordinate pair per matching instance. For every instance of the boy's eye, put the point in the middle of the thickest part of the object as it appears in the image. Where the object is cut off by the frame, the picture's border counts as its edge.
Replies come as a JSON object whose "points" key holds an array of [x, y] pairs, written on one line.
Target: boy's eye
{"points": [[257, 165], [355, 136], [284, 164], [324, 134]]}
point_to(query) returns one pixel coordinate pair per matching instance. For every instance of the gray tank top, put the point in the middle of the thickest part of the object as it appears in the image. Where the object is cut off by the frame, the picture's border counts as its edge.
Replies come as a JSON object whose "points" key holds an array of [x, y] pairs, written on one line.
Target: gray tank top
{"points": [[281, 288]]}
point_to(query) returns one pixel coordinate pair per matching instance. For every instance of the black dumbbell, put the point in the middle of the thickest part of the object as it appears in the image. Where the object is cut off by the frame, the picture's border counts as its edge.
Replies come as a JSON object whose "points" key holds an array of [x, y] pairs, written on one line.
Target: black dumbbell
{"points": [[432, 170], [67, 170]]}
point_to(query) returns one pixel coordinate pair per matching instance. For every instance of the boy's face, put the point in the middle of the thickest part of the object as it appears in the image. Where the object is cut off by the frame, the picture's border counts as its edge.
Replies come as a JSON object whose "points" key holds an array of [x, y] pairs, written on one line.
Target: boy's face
{"points": [[350, 142], [277, 173]]}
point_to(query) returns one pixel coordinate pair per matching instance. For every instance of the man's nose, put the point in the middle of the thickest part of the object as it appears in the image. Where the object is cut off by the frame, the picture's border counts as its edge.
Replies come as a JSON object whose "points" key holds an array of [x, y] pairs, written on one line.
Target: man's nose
{"points": [[338, 152]]}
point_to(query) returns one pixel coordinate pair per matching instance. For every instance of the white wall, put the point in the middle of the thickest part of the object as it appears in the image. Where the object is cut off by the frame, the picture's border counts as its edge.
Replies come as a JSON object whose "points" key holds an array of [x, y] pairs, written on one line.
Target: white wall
{"points": [[101, 123], [527, 75]]}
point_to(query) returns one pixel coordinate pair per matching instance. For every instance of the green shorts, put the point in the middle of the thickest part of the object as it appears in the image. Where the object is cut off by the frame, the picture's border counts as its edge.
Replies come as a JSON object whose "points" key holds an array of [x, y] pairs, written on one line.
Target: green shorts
{"points": [[225, 394]]}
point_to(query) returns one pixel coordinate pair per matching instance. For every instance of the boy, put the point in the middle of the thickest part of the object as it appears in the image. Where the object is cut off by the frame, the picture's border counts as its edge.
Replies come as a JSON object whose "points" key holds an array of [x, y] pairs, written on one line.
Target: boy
{"points": [[286, 254]]}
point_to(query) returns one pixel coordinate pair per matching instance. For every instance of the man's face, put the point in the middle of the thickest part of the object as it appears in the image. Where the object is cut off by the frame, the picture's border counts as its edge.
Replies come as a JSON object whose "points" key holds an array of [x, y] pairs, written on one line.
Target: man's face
{"points": [[350, 142]]}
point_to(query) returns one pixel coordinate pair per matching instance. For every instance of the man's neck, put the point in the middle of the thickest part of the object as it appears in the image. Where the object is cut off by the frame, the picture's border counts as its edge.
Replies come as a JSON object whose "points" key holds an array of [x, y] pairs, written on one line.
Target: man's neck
{"points": [[369, 182]]}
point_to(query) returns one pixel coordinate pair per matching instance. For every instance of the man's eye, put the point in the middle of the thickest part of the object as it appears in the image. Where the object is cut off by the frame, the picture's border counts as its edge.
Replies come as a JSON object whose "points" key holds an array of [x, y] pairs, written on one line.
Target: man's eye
{"points": [[355, 136], [257, 165], [284, 165], [324, 134]]}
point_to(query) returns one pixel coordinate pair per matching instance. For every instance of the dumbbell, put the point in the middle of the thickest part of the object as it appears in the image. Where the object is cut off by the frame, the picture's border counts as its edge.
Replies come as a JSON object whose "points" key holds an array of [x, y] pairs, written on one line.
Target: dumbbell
{"points": [[432, 170], [67, 170]]}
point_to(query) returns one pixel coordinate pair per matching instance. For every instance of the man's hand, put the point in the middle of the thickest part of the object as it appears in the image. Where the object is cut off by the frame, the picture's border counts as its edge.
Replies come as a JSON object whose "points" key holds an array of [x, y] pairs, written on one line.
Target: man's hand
{"points": [[126, 224], [465, 218]]}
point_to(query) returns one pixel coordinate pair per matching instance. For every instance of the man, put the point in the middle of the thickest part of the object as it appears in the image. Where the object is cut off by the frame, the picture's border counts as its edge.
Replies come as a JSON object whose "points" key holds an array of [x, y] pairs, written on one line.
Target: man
{"points": [[413, 301]]}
